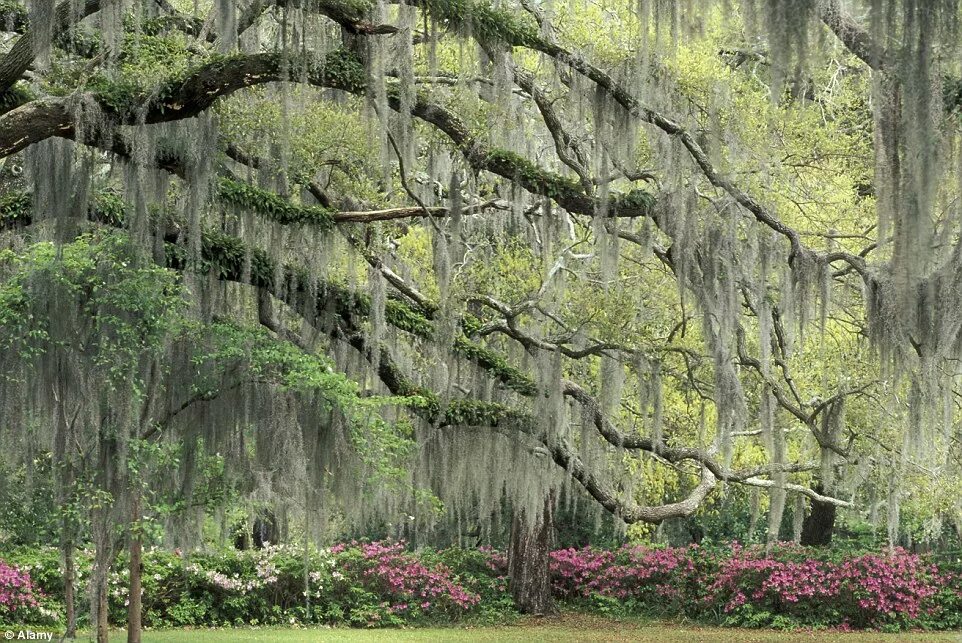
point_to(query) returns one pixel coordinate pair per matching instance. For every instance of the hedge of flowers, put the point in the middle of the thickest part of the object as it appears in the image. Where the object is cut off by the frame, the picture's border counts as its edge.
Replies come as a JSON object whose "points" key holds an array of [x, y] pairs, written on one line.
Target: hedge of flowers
{"points": [[357, 584], [384, 584], [790, 587]]}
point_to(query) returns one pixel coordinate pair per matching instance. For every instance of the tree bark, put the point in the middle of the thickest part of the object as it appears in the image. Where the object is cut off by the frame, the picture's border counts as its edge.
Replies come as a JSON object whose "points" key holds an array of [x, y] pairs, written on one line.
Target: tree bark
{"points": [[67, 527], [69, 580], [102, 625], [528, 560], [134, 604], [98, 593], [819, 525], [101, 527]]}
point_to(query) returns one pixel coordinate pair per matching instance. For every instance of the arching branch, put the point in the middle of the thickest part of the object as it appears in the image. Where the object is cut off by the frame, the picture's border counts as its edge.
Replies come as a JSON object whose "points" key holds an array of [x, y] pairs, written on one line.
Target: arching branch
{"points": [[21, 55], [522, 35], [41, 119], [852, 34]]}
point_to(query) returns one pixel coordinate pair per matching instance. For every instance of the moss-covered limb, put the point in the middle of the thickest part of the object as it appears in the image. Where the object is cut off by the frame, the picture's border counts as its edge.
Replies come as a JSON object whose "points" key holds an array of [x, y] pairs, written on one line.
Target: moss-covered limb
{"points": [[198, 89], [227, 257], [271, 205], [482, 20], [467, 412], [397, 313], [853, 35], [427, 404], [494, 363], [109, 208], [184, 97], [567, 193], [352, 15]]}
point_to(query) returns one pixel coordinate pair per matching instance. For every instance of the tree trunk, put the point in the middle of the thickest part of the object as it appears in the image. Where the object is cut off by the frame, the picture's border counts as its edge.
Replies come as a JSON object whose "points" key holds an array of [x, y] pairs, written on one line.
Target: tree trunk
{"points": [[136, 570], [798, 518], [63, 456], [103, 628], [100, 573], [819, 524], [101, 529], [67, 545], [528, 560], [69, 580]]}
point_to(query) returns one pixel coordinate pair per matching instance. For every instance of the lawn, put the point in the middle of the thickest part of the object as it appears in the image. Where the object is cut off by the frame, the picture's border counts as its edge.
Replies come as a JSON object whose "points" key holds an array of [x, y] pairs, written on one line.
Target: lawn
{"points": [[555, 630]]}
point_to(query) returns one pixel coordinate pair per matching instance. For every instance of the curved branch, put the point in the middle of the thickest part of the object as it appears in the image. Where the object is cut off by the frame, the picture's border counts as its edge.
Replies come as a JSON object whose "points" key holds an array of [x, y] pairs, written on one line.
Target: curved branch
{"points": [[853, 35], [22, 54], [527, 36], [41, 119]]}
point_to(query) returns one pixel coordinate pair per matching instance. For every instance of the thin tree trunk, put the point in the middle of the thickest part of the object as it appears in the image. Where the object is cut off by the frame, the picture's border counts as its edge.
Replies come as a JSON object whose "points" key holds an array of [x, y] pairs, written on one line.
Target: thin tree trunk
{"points": [[101, 524], [67, 545], [136, 569], [64, 496], [69, 578], [102, 625], [101, 572], [529, 571], [307, 553]]}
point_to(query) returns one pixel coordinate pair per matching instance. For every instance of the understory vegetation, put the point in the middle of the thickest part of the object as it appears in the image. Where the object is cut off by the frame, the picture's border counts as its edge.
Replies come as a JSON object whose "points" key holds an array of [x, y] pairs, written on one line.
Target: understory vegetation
{"points": [[382, 584]]}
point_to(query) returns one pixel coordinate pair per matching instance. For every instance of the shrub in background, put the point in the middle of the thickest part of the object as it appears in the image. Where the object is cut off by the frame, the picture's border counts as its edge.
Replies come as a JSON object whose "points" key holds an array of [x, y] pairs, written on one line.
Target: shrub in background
{"points": [[19, 599]]}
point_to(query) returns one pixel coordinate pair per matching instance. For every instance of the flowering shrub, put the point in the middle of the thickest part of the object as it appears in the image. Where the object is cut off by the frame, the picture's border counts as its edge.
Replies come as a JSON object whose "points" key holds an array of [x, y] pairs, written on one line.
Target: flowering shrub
{"points": [[653, 576], [792, 587], [362, 584], [406, 585], [384, 584], [18, 598], [886, 591]]}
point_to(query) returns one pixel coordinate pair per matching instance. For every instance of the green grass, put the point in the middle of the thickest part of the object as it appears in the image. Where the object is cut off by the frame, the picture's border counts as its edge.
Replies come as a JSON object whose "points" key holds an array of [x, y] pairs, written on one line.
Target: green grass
{"points": [[554, 630]]}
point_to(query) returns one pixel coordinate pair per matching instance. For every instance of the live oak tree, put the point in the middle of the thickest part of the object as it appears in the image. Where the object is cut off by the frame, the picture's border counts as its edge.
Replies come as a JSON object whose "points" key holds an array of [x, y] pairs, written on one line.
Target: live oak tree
{"points": [[446, 254]]}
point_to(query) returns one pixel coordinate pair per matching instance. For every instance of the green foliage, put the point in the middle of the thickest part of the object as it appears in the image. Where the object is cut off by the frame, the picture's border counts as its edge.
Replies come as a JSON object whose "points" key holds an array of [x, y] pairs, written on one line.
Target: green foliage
{"points": [[527, 173], [272, 206], [484, 21], [129, 307], [28, 512], [383, 446], [343, 69], [14, 206]]}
